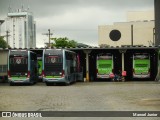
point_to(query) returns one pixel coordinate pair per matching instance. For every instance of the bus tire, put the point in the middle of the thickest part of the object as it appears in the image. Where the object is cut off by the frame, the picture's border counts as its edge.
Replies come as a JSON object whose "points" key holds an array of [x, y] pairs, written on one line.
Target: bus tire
{"points": [[67, 83], [11, 84], [156, 79], [48, 84]]}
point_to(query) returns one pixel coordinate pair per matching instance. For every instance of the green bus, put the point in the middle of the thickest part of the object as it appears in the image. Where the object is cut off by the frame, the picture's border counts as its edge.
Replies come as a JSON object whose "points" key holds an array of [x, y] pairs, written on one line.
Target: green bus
{"points": [[39, 68], [22, 67], [104, 65], [141, 65], [59, 66]]}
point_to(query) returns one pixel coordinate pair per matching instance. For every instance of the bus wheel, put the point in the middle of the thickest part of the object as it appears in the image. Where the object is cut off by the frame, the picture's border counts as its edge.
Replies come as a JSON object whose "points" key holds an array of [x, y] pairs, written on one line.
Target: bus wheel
{"points": [[156, 79], [67, 83], [48, 84], [31, 83], [11, 84]]}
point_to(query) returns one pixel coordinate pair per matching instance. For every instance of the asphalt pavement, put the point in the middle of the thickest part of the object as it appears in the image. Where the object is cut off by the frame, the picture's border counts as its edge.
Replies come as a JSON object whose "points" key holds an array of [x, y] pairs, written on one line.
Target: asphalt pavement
{"points": [[87, 96]]}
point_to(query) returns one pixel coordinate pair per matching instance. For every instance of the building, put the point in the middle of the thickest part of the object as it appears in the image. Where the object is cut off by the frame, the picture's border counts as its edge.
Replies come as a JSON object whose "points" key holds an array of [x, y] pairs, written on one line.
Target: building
{"points": [[21, 28], [143, 31], [1, 22], [140, 15]]}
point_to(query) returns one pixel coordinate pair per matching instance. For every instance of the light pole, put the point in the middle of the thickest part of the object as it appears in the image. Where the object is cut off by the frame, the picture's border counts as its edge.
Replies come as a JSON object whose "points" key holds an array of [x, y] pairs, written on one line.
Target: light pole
{"points": [[154, 36], [132, 35]]}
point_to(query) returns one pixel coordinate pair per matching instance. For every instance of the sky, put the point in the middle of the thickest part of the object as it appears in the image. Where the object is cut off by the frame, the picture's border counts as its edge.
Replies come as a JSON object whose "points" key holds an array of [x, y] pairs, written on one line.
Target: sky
{"points": [[76, 19]]}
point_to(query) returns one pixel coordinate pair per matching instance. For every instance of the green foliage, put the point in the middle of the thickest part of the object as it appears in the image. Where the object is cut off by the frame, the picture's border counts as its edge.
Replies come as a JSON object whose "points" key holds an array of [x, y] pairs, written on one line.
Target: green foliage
{"points": [[72, 43], [3, 43], [63, 42]]}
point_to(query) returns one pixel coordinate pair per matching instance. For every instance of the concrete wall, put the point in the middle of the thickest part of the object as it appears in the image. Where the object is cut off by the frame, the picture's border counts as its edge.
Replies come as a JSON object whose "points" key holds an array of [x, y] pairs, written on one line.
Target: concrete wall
{"points": [[3, 62]]}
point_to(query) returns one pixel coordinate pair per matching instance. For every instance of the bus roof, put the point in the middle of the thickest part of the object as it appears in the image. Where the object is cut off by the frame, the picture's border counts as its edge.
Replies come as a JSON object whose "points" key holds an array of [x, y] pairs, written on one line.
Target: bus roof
{"points": [[53, 51], [18, 52]]}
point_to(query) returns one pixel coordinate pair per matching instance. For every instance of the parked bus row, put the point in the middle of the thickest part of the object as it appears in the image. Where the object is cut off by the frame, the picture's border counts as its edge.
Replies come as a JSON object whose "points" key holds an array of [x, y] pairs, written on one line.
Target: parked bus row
{"points": [[62, 66], [55, 66], [105, 66]]}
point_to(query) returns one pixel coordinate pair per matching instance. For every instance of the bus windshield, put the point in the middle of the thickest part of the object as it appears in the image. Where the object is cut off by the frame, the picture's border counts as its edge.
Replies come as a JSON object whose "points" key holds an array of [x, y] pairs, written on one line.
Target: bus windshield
{"points": [[53, 65], [141, 64], [18, 64], [104, 65]]}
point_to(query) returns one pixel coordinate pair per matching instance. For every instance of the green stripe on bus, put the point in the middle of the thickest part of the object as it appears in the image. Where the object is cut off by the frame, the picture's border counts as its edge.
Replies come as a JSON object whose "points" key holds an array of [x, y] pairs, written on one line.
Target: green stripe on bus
{"points": [[18, 78], [53, 76]]}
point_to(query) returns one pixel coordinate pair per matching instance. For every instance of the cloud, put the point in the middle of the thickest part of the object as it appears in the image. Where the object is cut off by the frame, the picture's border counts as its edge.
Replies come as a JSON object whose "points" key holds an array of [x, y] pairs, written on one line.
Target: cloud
{"points": [[43, 8], [76, 19], [56, 7], [75, 25]]}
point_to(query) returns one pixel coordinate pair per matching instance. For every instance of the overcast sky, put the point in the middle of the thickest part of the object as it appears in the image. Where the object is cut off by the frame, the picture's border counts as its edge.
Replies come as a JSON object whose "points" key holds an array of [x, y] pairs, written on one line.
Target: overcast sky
{"points": [[75, 19]]}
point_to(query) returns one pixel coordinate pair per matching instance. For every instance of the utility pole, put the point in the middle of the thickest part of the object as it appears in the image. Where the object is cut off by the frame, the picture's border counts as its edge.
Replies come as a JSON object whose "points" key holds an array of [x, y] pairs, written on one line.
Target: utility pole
{"points": [[131, 35], [49, 36], [7, 35], [154, 36]]}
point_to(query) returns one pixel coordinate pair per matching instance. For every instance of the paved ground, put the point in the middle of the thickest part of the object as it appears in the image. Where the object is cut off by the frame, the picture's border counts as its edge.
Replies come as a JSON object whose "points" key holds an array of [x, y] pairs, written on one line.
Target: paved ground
{"points": [[99, 96]]}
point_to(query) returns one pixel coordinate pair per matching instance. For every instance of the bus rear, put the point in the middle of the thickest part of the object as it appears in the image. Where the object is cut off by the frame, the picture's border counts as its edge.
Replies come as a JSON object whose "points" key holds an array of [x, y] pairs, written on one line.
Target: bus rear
{"points": [[18, 67], [104, 65], [141, 65], [53, 66]]}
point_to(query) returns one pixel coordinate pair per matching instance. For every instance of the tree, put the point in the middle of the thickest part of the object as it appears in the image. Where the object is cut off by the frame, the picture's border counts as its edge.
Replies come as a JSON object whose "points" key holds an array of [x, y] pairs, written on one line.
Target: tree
{"points": [[72, 43], [104, 45], [63, 42], [3, 43]]}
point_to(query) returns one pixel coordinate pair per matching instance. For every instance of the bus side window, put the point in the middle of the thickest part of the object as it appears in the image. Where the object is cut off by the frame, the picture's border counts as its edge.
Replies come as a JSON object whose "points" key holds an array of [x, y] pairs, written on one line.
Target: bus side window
{"points": [[70, 57]]}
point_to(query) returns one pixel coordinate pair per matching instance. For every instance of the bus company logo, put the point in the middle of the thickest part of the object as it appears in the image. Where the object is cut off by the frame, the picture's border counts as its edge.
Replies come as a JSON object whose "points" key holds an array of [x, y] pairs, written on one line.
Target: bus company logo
{"points": [[18, 61], [6, 114], [53, 60]]}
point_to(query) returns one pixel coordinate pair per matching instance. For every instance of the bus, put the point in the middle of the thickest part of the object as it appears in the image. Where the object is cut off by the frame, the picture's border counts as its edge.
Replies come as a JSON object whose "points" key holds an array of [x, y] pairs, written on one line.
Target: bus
{"points": [[39, 68], [22, 67], [141, 65], [59, 66], [104, 65]]}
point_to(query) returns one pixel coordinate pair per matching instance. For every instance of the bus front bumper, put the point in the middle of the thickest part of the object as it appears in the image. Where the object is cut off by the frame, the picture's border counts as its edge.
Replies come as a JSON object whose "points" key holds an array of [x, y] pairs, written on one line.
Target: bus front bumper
{"points": [[19, 80], [54, 80], [103, 76], [140, 76]]}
